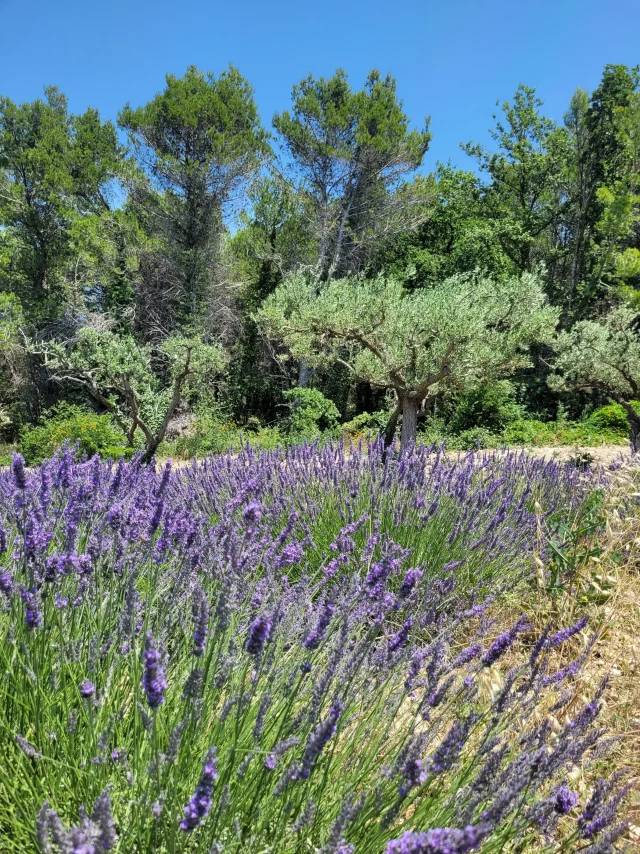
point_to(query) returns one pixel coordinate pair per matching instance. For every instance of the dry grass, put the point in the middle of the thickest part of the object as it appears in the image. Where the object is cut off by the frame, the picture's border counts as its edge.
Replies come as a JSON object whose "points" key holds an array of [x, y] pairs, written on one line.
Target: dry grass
{"points": [[617, 652], [607, 586]]}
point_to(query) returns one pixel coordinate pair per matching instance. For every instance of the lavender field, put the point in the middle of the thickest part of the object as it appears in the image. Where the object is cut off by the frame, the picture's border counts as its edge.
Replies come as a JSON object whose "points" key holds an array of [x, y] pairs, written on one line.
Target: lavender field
{"points": [[292, 652]]}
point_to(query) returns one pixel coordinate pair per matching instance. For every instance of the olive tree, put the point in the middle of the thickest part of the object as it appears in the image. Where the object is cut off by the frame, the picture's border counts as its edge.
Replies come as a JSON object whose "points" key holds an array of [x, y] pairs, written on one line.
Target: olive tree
{"points": [[603, 356], [117, 373], [448, 337]]}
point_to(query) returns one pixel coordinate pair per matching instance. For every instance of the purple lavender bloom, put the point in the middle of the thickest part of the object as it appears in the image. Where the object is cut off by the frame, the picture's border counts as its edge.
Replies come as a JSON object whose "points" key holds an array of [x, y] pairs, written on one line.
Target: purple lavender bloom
{"points": [[412, 577], [95, 835], [27, 748], [291, 553], [440, 840], [153, 680], [453, 564], [314, 638], [414, 775], [6, 584], [87, 689], [102, 817], [156, 517], [259, 634], [565, 800], [252, 513], [199, 805], [501, 644], [417, 660], [18, 472], [467, 655], [318, 739], [32, 614], [600, 811], [401, 637], [448, 751], [201, 613], [565, 634], [114, 516]]}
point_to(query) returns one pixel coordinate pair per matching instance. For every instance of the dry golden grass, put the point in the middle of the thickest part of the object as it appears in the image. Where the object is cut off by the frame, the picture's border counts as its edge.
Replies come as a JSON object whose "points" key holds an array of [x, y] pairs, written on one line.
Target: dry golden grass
{"points": [[617, 652], [607, 587]]}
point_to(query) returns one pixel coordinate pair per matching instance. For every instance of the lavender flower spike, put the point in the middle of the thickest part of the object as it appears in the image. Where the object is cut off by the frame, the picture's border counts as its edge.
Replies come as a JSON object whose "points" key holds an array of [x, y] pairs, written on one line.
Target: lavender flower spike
{"points": [[440, 840], [199, 804], [319, 738], [565, 800], [502, 643], [564, 634], [153, 679], [314, 638], [18, 472], [259, 634], [201, 613], [87, 689], [103, 819]]}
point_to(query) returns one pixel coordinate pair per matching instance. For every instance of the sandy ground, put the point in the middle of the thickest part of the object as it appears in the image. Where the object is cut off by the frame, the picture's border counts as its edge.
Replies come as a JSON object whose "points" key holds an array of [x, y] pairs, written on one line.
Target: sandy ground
{"points": [[604, 455]]}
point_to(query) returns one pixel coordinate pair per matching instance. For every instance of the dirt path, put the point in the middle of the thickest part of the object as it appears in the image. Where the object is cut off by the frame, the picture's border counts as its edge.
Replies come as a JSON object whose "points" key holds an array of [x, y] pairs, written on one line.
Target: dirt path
{"points": [[604, 455]]}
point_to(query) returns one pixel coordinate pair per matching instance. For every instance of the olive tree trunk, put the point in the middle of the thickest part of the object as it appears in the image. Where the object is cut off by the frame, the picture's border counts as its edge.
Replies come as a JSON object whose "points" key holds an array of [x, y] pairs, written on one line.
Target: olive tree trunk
{"points": [[634, 434], [410, 406], [389, 432], [634, 425]]}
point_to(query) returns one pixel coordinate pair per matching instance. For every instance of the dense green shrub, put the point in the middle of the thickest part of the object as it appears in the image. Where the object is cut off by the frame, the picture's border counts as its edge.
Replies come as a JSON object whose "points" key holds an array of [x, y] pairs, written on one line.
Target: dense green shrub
{"points": [[612, 417], [474, 437], [541, 433], [367, 424], [491, 406], [523, 432], [213, 435], [93, 434], [6, 454], [311, 413]]}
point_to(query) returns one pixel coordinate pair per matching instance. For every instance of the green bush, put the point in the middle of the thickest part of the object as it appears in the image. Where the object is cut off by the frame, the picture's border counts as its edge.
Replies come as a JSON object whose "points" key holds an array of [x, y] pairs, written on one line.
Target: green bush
{"points": [[559, 433], [475, 437], [491, 406], [6, 454], [368, 424], [528, 432], [612, 417], [211, 435], [311, 413], [265, 439], [93, 433], [215, 436]]}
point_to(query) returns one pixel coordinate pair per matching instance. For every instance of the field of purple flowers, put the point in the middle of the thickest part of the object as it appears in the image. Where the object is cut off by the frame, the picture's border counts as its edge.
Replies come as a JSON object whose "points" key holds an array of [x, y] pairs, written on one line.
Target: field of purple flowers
{"points": [[286, 653]]}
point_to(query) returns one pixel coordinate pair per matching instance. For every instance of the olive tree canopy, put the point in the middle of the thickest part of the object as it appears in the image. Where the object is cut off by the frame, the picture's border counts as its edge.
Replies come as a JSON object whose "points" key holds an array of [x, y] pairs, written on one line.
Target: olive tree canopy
{"points": [[463, 330], [603, 355], [118, 374]]}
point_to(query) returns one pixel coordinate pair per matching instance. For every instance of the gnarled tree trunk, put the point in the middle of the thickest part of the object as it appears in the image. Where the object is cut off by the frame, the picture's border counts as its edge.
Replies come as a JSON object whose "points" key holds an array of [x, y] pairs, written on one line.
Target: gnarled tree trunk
{"points": [[634, 425], [410, 406], [389, 432], [634, 434]]}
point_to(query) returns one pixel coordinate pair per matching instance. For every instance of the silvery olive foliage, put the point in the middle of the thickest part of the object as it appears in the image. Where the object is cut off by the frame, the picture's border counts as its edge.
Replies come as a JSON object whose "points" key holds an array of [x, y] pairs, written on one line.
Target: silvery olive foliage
{"points": [[603, 355], [461, 331]]}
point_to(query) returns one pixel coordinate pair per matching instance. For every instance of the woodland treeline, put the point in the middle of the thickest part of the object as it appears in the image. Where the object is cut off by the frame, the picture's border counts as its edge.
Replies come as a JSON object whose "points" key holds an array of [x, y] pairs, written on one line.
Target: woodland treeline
{"points": [[193, 264]]}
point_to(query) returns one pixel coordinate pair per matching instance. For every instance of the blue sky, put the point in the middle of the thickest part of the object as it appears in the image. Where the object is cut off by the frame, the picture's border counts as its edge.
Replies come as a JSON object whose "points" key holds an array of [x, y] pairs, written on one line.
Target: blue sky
{"points": [[452, 59]]}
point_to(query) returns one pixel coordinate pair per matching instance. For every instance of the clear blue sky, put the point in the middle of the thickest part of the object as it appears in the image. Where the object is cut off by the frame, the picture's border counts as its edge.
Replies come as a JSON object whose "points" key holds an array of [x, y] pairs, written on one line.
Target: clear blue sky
{"points": [[452, 58]]}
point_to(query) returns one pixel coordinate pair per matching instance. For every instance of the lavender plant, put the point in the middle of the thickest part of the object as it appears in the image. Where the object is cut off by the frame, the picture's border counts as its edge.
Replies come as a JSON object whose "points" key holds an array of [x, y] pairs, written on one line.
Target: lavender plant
{"points": [[286, 652]]}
